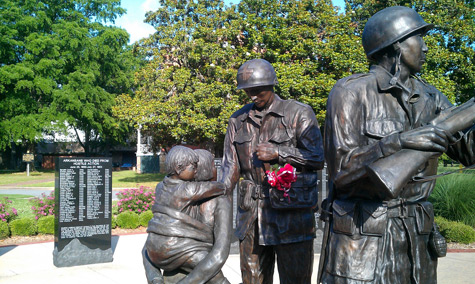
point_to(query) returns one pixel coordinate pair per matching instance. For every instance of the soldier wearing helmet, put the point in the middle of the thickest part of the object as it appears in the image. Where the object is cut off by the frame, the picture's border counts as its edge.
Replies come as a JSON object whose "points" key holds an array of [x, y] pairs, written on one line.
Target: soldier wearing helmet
{"points": [[270, 131], [376, 235]]}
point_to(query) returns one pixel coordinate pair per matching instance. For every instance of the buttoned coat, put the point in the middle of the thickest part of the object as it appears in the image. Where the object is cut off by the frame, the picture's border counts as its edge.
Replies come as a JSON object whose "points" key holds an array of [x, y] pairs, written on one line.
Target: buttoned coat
{"points": [[293, 128], [365, 115]]}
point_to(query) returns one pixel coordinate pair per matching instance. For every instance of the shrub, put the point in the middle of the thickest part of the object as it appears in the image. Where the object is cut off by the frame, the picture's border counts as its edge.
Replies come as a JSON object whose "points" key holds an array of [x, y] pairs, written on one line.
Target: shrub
{"points": [[43, 206], [455, 231], [454, 198], [115, 209], [144, 217], [4, 230], [113, 222], [23, 227], [7, 213], [135, 200], [128, 220], [46, 225]]}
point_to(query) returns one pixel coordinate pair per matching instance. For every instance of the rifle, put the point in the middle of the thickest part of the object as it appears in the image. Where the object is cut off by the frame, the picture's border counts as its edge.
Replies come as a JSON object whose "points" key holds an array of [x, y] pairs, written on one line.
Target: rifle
{"points": [[392, 173]]}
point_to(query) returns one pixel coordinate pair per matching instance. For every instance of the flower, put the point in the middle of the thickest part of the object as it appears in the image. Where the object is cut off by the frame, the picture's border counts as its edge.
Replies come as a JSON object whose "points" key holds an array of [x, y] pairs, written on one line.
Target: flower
{"points": [[283, 179], [286, 176], [271, 178]]}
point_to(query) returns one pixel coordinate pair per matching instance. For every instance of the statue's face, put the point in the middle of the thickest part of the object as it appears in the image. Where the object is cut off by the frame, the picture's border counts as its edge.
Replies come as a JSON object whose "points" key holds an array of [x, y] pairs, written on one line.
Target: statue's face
{"points": [[413, 53], [188, 173], [260, 96]]}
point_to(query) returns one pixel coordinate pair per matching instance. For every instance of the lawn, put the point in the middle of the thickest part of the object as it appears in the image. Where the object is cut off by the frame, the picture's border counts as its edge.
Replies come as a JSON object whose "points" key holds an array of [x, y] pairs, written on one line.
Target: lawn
{"points": [[21, 203], [120, 179], [441, 169], [129, 179], [8, 177]]}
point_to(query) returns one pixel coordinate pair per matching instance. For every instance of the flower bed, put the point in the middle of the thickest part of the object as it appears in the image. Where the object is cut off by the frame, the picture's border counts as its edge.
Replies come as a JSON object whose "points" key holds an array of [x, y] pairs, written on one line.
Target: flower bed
{"points": [[135, 200]]}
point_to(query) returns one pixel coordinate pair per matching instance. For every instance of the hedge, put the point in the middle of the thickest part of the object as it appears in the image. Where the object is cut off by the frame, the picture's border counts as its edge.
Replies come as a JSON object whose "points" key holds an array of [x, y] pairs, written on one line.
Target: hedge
{"points": [[4, 230], [144, 217], [23, 227], [455, 231], [46, 225], [128, 220]]}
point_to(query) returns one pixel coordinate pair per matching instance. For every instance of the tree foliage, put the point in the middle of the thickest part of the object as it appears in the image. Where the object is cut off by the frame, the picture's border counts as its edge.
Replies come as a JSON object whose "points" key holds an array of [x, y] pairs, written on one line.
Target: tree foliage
{"points": [[60, 63], [187, 89], [451, 53]]}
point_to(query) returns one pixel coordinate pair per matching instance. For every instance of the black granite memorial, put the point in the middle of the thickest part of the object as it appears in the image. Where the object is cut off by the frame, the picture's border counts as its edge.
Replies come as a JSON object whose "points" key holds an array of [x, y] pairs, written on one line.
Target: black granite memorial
{"points": [[83, 201]]}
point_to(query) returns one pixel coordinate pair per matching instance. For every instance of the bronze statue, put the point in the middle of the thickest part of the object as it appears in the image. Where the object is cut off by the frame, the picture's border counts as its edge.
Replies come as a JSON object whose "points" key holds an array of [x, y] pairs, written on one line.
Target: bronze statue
{"points": [[271, 131], [190, 232], [383, 133]]}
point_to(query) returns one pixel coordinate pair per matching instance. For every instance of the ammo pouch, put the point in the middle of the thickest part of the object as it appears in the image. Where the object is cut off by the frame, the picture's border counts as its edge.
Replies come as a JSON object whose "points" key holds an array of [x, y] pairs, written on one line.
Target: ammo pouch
{"points": [[344, 217], [246, 189], [370, 217], [302, 194], [424, 212], [373, 218]]}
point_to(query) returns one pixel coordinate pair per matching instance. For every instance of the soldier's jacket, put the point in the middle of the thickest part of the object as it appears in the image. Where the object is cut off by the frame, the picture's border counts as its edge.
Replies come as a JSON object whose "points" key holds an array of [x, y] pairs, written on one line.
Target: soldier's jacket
{"points": [[372, 234], [292, 126]]}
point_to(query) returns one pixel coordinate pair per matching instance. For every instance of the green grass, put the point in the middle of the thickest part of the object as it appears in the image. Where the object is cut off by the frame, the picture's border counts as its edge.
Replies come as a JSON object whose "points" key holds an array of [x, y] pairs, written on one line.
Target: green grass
{"points": [[454, 198], [21, 203], [441, 169], [128, 179], [120, 179], [8, 177]]}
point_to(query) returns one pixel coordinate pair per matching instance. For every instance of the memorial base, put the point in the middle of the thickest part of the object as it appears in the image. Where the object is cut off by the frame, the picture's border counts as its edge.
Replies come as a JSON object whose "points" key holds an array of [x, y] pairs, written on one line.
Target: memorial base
{"points": [[75, 253]]}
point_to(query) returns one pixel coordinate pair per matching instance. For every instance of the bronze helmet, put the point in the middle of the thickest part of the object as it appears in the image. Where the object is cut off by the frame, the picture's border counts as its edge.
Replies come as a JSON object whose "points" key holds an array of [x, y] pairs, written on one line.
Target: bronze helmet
{"points": [[390, 25], [256, 73]]}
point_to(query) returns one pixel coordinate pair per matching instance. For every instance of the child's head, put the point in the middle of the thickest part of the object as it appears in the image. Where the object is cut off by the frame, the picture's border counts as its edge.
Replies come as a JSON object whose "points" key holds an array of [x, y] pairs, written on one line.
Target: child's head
{"points": [[206, 169], [179, 158]]}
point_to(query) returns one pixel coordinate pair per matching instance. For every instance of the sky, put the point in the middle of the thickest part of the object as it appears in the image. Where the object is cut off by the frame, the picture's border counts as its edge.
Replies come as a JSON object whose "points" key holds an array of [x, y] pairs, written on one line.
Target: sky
{"points": [[133, 20]]}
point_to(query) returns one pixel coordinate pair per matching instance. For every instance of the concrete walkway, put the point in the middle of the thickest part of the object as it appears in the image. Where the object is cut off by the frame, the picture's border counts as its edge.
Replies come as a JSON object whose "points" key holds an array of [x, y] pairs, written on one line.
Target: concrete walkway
{"points": [[34, 264]]}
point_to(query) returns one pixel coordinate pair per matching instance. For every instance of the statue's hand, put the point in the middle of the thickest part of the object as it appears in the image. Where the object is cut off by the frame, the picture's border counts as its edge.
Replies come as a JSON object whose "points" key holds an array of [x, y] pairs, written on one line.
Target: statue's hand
{"points": [[426, 138], [267, 151]]}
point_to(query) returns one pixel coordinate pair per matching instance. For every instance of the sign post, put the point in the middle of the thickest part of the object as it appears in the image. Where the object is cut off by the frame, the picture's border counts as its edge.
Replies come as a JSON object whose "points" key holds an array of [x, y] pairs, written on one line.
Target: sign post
{"points": [[28, 158]]}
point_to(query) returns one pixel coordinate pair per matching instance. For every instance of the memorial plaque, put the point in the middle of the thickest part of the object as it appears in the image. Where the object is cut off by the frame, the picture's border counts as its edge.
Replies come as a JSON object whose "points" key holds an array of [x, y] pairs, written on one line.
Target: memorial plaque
{"points": [[28, 158], [83, 194]]}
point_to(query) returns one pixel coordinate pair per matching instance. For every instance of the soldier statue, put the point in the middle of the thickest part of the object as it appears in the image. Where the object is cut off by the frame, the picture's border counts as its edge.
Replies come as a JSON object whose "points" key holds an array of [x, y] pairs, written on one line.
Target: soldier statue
{"points": [[272, 131], [383, 133]]}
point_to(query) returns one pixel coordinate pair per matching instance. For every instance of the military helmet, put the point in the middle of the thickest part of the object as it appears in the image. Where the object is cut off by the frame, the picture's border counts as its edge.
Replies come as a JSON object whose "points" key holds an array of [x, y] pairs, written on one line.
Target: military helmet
{"points": [[390, 25], [256, 73]]}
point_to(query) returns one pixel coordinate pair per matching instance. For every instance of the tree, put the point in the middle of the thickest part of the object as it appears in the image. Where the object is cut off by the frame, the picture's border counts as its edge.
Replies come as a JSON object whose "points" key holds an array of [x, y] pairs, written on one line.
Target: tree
{"points": [[451, 54], [60, 63], [187, 89]]}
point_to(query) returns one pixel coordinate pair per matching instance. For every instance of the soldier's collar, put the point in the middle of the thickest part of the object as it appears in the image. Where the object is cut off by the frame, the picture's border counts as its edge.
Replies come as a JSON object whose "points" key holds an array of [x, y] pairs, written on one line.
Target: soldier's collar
{"points": [[276, 107], [383, 77]]}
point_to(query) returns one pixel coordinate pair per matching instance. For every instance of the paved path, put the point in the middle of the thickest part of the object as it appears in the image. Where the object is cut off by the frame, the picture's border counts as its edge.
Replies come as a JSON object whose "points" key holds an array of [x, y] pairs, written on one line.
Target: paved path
{"points": [[34, 264]]}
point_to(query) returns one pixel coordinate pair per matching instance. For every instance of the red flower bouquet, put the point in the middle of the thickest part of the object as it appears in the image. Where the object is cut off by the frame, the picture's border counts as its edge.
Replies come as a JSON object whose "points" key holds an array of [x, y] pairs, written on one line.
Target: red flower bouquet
{"points": [[282, 178]]}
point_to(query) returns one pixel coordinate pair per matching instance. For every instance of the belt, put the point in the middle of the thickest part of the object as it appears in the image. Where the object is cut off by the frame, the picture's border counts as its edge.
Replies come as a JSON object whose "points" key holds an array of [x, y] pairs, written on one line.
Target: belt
{"points": [[400, 208]]}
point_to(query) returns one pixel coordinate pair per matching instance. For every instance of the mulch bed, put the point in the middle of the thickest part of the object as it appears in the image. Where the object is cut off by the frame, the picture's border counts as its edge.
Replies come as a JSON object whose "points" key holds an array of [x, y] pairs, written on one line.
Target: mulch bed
{"points": [[456, 247]]}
